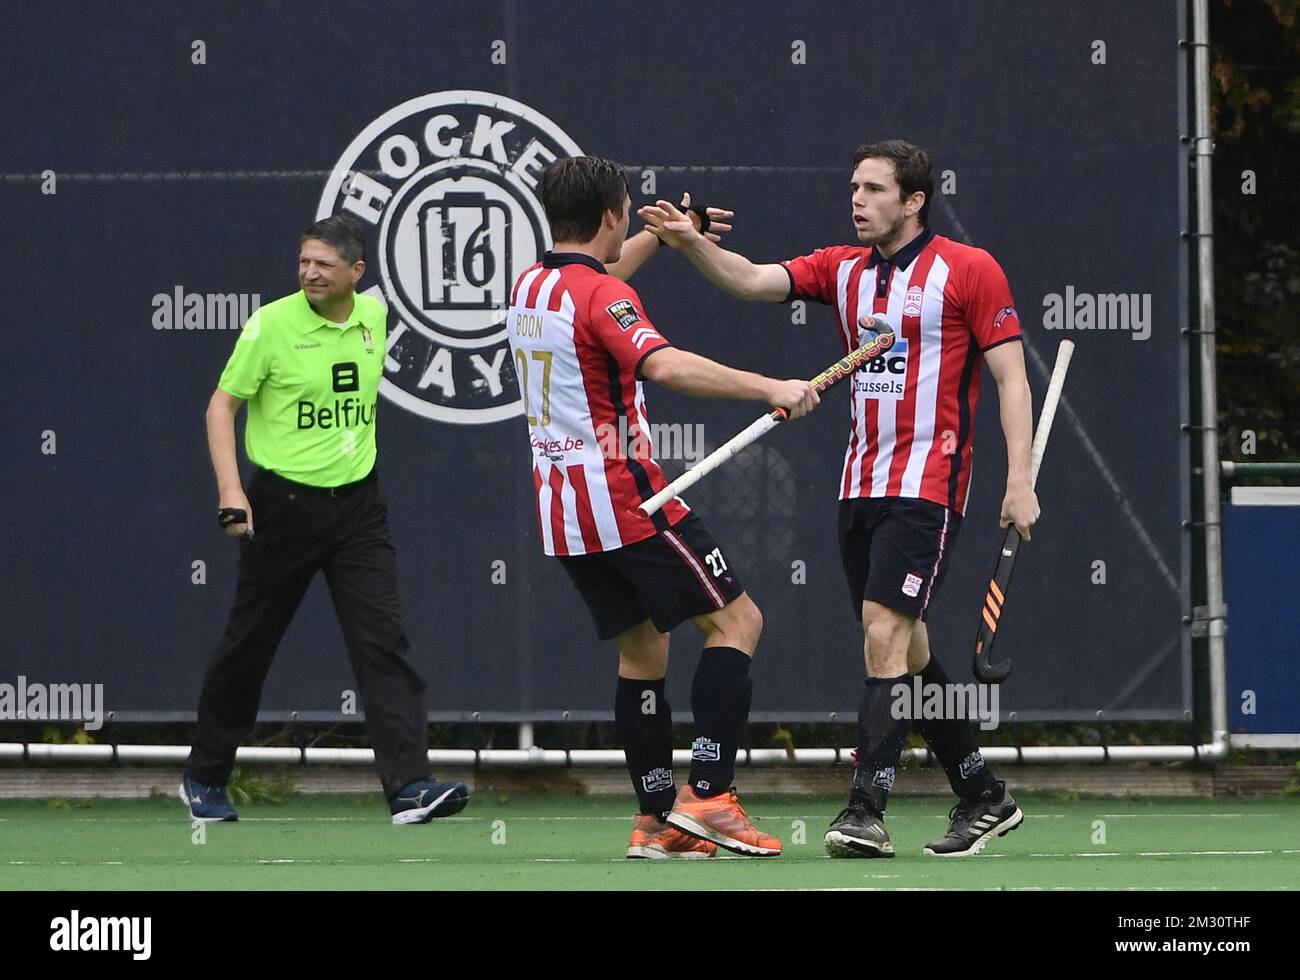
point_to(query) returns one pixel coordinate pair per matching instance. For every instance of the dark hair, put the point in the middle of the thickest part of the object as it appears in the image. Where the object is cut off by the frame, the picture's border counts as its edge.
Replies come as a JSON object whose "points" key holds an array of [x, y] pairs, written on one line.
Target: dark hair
{"points": [[911, 168], [341, 232], [576, 193]]}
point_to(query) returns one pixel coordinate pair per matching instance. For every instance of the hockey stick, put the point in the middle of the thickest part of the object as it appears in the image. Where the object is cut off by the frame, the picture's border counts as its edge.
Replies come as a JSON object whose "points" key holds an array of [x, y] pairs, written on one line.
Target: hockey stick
{"points": [[1000, 583], [834, 374]]}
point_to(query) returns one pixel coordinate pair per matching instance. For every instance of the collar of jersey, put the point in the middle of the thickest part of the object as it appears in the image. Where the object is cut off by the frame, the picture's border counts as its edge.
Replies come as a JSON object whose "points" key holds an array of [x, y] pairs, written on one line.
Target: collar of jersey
{"points": [[311, 320], [906, 255], [554, 260]]}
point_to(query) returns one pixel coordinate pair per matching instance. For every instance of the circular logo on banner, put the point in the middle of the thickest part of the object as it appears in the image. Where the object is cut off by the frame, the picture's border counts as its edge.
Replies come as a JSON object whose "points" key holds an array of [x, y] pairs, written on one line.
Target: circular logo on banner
{"points": [[448, 188]]}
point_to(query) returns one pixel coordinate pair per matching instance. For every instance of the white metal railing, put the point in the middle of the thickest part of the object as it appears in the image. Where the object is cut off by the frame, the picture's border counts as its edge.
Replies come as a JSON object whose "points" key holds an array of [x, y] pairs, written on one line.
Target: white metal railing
{"points": [[536, 758]]}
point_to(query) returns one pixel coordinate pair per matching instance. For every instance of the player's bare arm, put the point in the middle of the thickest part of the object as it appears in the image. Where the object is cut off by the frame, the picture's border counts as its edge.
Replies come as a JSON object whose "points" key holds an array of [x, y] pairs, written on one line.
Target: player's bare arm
{"points": [[1007, 365], [729, 271], [639, 247], [691, 374], [222, 408]]}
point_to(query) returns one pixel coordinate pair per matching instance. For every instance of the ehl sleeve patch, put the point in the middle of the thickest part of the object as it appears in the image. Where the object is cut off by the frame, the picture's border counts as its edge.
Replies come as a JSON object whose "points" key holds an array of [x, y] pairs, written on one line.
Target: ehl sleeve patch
{"points": [[624, 313]]}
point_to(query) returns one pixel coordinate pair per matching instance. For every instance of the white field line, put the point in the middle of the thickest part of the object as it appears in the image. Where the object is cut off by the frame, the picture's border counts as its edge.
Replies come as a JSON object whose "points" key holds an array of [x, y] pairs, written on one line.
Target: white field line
{"points": [[1006, 888], [895, 818], [1199, 816], [1092, 854], [720, 857]]}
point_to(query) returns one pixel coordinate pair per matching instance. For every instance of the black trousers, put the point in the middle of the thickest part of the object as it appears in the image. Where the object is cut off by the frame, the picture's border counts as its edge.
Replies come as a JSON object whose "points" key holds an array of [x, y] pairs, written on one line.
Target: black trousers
{"points": [[297, 532]]}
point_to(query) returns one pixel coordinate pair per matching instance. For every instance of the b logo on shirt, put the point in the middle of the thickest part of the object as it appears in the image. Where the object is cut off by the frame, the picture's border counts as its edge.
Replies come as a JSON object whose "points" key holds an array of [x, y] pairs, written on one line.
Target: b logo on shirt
{"points": [[624, 313], [1002, 314], [345, 376]]}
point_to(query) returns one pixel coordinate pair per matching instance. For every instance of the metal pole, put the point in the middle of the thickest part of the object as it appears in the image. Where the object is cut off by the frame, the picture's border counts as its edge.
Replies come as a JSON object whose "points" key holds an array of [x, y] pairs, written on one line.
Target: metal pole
{"points": [[39, 754], [1209, 403], [1230, 469]]}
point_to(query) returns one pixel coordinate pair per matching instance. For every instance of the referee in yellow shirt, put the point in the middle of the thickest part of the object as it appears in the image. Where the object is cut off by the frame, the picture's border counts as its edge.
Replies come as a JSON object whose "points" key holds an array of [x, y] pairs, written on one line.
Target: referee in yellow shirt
{"points": [[309, 366]]}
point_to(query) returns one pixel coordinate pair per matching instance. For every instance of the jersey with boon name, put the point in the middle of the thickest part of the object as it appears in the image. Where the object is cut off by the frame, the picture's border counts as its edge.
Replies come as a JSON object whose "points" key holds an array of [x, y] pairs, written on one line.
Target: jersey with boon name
{"points": [[913, 408], [578, 337]]}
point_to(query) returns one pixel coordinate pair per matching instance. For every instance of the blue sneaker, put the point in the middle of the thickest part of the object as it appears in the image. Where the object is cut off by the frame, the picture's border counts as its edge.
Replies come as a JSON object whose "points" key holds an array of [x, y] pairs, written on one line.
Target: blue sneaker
{"points": [[422, 800], [209, 804]]}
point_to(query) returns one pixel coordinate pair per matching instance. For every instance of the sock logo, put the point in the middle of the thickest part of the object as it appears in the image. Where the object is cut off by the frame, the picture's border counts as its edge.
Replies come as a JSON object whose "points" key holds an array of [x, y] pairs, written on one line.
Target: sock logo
{"points": [[657, 779], [702, 784], [884, 778], [970, 765], [704, 750]]}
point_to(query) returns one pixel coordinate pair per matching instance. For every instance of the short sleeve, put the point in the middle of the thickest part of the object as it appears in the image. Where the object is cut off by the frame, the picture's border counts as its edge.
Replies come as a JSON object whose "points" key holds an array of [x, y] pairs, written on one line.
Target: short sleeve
{"points": [[249, 363], [990, 311], [811, 277], [619, 324]]}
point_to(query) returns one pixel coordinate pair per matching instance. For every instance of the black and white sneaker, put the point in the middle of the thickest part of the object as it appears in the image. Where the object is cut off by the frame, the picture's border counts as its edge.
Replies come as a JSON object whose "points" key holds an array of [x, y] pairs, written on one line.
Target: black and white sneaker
{"points": [[973, 824], [858, 832], [423, 800]]}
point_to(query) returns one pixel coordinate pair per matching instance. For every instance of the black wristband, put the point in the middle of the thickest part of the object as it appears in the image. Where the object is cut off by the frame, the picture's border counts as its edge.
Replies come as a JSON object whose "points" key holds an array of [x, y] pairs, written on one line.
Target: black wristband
{"points": [[703, 211], [231, 515]]}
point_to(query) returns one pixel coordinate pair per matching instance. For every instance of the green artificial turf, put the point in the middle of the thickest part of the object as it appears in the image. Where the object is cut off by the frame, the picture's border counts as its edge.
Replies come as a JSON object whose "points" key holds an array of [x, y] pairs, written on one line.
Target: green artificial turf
{"points": [[577, 842]]}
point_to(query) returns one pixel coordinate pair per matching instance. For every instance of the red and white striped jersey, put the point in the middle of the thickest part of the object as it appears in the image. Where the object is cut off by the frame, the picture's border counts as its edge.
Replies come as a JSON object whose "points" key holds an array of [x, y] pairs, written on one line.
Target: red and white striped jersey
{"points": [[578, 337], [913, 408]]}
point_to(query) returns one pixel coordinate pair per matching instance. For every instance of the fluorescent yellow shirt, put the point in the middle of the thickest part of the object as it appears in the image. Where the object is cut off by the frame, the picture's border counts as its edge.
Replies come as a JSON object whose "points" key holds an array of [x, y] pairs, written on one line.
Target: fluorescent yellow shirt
{"points": [[311, 389]]}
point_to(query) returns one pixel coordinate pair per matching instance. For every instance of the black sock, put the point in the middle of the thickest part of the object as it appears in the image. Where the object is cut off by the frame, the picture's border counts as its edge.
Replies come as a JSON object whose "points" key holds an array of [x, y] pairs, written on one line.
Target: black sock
{"points": [[952, 740], [644, 721], [720, 696], [881, 737]]}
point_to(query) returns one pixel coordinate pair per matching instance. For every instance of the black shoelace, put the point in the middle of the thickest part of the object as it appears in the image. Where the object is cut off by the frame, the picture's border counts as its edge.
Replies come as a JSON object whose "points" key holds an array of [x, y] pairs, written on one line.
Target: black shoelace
{"points": [[961, 816], [856, 809]]}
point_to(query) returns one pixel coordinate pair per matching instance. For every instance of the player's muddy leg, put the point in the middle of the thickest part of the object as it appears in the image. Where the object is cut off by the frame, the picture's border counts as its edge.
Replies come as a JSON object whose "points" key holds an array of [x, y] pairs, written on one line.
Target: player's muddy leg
{"points": [[721, 692], [643, 716], [720, 697], [918, 649], [985, 810], [642, 653], [737, 625], [644, 721], [950, 739], [887, 635], [859, 830]]}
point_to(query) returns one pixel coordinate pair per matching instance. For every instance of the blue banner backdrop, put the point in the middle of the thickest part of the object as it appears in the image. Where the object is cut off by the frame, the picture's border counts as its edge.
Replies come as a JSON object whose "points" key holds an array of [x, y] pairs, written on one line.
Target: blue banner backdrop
{"points": [[159, 162]]}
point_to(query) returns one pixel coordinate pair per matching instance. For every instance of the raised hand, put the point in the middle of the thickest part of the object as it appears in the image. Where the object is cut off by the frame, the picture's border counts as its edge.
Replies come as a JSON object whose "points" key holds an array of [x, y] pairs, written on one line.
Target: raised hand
{"points": [[676, 226]]}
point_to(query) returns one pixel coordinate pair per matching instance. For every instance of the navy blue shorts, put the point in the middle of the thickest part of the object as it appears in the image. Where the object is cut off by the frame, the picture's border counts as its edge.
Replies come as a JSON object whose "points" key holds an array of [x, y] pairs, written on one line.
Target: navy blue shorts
{"points": [[669, 578], [895, 551]]}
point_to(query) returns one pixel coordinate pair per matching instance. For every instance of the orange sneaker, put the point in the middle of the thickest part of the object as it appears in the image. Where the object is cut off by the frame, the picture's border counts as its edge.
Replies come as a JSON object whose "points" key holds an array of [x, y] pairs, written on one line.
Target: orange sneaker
{"points": [[654, 839], [723, 820]]}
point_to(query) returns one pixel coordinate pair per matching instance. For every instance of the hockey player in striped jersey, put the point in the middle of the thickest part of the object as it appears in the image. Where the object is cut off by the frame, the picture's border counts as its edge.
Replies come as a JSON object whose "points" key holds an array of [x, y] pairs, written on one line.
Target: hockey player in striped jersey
{"points": [[582, 342], [906, 471]]}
